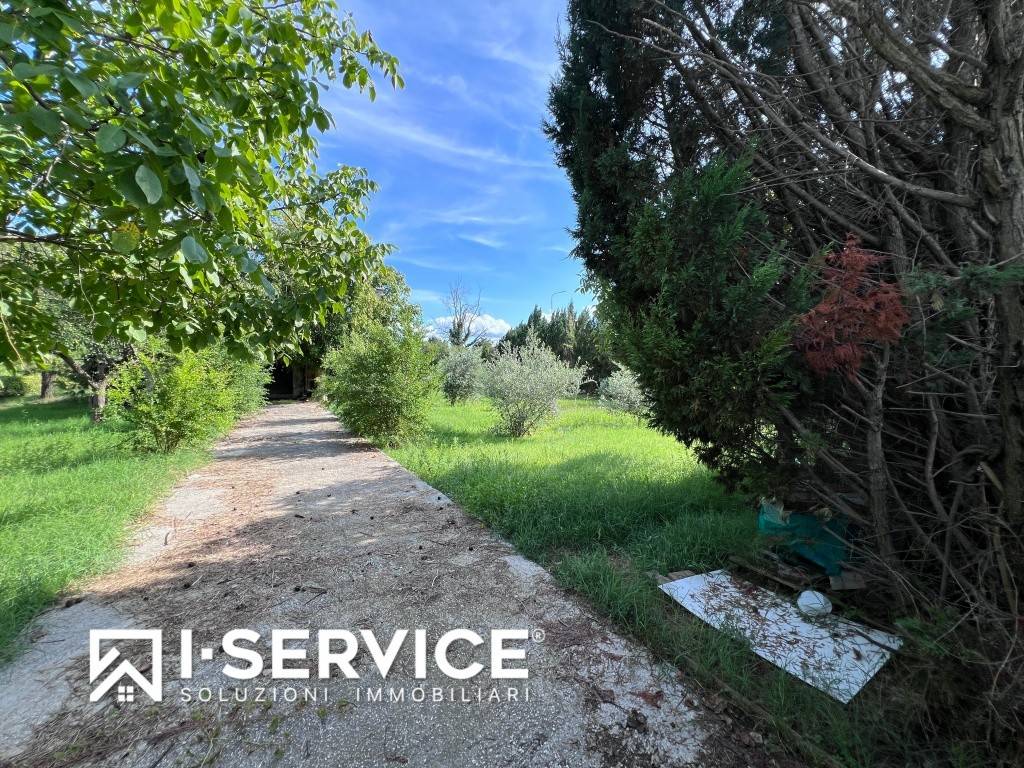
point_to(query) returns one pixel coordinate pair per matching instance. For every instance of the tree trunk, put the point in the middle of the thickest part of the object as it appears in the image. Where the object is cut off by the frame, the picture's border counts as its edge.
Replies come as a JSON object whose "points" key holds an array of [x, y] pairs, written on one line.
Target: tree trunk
{"points": [[1003, 189], [1006, 184], [878, 477], [46, 380], [98, 399]]}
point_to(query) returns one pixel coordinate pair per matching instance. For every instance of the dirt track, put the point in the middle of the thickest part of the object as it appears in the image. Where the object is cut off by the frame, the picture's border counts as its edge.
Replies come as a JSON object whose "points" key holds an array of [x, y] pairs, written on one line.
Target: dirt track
{"points": [[296, 524]]}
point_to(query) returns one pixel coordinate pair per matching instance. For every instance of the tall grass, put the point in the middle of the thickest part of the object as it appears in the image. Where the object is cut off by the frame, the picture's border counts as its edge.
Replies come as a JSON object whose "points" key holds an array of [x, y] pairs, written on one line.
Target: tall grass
{"points": [[68, 489], [590, 477], [601, 500]]}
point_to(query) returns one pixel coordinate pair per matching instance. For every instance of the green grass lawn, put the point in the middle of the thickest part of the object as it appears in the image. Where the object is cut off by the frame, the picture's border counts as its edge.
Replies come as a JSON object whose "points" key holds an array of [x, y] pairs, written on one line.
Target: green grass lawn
{"points": [[601, 499], [68, 489], [589, 480]]}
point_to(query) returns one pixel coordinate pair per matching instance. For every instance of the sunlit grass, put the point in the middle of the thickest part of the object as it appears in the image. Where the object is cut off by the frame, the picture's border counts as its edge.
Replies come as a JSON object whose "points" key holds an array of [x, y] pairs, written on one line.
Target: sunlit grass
{"points": [[68, 489], [589, 477]]}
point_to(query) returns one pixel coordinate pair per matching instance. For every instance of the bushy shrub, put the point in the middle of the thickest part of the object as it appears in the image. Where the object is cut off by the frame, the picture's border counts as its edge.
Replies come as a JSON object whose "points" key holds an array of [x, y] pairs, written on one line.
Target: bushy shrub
{"points": [[622, 391], [12, 385], [379, 381], [247, 380], [461, 373], [524, 384], [168, 400]]}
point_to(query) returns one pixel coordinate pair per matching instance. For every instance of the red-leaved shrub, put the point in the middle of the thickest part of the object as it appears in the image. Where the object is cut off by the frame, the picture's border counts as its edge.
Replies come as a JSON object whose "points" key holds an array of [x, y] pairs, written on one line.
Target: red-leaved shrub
{"points": [[857, 309]]}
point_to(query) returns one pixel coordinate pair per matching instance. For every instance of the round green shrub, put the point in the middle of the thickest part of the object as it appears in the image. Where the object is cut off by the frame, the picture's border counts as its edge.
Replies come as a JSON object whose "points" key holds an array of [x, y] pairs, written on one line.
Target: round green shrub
{"points": [[379, 382], [621, 391]]}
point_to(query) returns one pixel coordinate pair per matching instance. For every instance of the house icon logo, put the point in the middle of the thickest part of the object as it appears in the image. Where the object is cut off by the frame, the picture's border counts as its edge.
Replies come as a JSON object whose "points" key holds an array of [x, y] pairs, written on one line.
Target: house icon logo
{"points": [[125, 675]]}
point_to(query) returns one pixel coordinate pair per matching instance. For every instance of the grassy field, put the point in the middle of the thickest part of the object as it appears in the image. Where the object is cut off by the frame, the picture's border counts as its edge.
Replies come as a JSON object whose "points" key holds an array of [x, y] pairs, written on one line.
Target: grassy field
{"points": [[601, 500], [68, 489]]}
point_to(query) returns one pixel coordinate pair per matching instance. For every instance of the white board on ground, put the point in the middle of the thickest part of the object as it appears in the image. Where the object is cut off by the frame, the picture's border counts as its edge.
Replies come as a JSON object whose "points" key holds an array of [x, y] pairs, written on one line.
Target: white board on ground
{"points": [[834, 655]]}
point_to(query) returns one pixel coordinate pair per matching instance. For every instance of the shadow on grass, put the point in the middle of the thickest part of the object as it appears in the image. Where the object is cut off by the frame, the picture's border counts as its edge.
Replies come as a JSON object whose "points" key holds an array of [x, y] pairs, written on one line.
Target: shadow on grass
{"points": [[664, 522]]}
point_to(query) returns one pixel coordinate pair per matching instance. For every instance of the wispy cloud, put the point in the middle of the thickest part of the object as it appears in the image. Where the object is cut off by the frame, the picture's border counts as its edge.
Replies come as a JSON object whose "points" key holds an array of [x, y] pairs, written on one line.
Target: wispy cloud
{"points": [[564, 249], [439, 265], [487, 242], [465, 170], [495, 107], [540, 70], [429, 144], [464, 216]]}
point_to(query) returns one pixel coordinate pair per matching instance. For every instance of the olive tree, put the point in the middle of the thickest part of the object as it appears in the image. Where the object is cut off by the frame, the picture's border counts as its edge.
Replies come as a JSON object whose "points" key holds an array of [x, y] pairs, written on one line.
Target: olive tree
{"points": [[524, 384]]}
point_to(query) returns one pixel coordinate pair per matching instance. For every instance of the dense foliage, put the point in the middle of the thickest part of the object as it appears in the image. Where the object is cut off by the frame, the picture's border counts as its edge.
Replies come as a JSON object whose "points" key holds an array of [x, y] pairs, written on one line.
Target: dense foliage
{"points": [[12, 385], [379, 382], [380, 377], [166, 400], [159, 148], [805, 224], [461, 372], [524, 384], [575, 337]]}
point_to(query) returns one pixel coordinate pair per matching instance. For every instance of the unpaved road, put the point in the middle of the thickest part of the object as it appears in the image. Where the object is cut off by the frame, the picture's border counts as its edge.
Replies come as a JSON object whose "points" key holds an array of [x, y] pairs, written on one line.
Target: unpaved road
{"points": [[296, 524]]}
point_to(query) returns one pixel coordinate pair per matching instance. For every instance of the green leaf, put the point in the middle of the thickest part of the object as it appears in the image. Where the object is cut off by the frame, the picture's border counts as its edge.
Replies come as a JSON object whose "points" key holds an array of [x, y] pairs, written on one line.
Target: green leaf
{"points": [[220, 34], [125, 183], [149, 183], [82, 84], [73, 117], [46, 120], [193, 250], [268, 287], [25, 70], [144, 140], [124, 240], [128, 81], [202, 126], [190, 173], [110, 138]]}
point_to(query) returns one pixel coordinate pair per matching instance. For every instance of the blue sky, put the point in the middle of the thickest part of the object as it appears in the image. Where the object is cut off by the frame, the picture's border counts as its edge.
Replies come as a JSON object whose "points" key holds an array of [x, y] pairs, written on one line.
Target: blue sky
{"points": [[469, 191]]}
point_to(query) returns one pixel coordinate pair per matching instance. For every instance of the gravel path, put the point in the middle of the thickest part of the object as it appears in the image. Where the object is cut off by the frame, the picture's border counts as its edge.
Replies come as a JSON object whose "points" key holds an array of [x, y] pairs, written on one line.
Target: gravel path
{"points": [[296, 524]]}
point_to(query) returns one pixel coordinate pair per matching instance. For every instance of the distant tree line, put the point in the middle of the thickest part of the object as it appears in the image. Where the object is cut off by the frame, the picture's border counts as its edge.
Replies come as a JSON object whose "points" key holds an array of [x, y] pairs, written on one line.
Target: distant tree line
{"points": [[575, 337]]}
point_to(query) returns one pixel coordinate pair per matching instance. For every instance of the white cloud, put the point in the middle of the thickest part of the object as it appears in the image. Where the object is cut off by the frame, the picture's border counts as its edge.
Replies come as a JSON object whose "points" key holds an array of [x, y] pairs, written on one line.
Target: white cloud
{"points": [[492, 327], [440, 265], [566, 249], [542, 71], [431, 145], [473, 216], [487, 242]]}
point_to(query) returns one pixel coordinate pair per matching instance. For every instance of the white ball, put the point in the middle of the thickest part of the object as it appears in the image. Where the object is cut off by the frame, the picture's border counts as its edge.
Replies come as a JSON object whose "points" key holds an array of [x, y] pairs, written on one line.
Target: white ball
{"points": [[813, 603]]}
